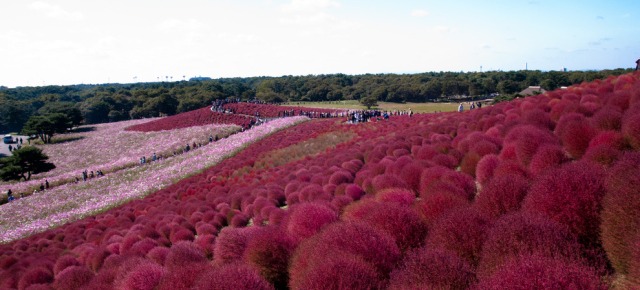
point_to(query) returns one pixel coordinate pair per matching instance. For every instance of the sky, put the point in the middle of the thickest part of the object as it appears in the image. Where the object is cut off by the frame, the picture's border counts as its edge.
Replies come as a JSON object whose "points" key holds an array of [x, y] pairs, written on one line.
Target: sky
{"points": [[66, 42]]}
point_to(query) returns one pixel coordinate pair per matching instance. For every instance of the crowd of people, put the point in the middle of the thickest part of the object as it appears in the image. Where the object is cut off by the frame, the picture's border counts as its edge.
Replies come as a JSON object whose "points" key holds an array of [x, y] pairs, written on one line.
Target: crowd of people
{"points": [[472, 105], [362, 116]]}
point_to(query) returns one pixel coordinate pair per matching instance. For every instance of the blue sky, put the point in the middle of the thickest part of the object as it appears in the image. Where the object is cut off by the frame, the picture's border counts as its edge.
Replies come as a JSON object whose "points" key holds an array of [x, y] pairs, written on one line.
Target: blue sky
{"points": [[72, 41]]}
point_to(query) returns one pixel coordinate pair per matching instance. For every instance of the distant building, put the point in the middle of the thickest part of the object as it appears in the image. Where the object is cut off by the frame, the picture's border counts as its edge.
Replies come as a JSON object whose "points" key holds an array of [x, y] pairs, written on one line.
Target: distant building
{"points": [[532, 90]]}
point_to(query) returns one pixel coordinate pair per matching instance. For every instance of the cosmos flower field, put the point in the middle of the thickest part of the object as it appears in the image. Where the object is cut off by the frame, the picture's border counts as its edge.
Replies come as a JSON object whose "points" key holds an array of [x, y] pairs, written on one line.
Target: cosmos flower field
{"points": [[536, 193]]}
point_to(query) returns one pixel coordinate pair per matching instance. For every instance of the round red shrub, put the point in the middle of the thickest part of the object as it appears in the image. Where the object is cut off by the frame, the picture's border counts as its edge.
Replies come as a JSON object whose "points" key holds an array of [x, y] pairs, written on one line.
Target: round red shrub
{"points": [[183, 277], [308, 218], [571, 195], [73, 277], [63, 262], [441, 179], [526, 140], [575, 133], [37, 275], [410, 174], [385, 181], [399, 221], [539, 272], [232, 276], [432, 269], [621, 211], [158, 254], [520, 234], [269, 253], [340, 177], [432, 207], [354, 191], [461, 231], [401, 196], [631, 128], [145, 276], [184, 253], [346, 271], [547, 157], [501, 195], [340, 239], [230, 244], [485, 168], [607, 118]]}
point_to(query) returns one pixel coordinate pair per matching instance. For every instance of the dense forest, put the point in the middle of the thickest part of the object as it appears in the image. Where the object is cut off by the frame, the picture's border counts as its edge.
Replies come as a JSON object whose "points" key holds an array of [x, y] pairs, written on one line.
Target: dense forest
{"points": [[115, 102]]}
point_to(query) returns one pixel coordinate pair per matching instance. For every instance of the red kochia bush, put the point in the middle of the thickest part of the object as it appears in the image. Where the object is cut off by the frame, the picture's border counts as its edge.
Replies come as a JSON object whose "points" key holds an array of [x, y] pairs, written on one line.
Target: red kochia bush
{"points": [[231, 243], [384, 181], [342, 239], [525, 141], [399, 221], [269, 252], [503, 194], [631, 127], [519, 234], [184, 253], [441, 179], [547, 157], [426, 268], [539, 272], [400, 196], [432, 207], [144, 276], [461, 231], [38, 275], [344, 271], [621, 211], [486, 167], [575, 132], [73, 277], [308, 218], [232, 276], [572, 195]]}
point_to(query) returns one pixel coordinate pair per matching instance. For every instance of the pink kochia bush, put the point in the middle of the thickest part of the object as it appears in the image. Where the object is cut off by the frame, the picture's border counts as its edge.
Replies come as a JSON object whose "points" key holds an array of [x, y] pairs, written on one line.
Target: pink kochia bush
{"points": [[571, 195], [398, 221], [426, 268], [354, 250], [541, 272], [461, 231], [503, 194], [308, 218], [520, 234]]}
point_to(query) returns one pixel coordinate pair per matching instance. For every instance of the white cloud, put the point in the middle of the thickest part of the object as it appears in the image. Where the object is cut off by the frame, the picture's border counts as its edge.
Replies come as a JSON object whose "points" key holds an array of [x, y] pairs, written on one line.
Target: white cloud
{"points": [[419, 13], [442, 29], [309, 5], [55, 11]]}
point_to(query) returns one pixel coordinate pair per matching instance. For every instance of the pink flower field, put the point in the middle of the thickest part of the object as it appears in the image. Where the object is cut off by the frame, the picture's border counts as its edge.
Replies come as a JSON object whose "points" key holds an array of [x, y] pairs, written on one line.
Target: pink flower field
{"points": [[536, 193], [108, 147]]}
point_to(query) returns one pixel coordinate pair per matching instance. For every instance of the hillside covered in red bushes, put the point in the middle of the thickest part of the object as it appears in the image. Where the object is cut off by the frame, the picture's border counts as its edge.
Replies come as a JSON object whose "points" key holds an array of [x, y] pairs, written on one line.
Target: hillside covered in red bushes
{"points": [[198, 117], [536, 193]]}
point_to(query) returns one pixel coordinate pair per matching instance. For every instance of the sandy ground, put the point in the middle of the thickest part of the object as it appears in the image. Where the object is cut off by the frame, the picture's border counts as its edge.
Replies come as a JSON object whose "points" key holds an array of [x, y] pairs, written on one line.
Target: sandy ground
{"points": [[4, 148]]}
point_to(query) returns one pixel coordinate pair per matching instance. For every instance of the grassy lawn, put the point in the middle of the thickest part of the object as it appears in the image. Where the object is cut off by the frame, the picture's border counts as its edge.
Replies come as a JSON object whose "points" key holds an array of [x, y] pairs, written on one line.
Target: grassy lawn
{"points": [[352, 104]]}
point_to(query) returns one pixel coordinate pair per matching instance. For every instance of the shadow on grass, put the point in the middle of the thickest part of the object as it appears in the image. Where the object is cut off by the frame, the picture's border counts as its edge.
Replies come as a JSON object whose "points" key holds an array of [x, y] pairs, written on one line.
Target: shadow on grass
{"points": [[83, 129], [65, 139]]}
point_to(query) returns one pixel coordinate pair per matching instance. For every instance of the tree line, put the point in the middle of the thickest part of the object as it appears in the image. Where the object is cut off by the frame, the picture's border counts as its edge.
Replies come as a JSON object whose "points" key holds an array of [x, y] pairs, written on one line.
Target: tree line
{"points": [[90, 104]]}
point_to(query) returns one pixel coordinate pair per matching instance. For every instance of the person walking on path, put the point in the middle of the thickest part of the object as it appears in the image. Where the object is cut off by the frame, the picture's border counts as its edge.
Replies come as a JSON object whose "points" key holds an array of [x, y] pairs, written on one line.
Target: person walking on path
{"points": [[460, 108]]}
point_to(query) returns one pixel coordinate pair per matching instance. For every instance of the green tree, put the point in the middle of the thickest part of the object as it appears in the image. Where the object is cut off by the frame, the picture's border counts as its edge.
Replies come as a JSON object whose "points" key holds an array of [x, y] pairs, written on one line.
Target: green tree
{"points": [[46, 126], [66, 108], [24, 162], [369, 101]]}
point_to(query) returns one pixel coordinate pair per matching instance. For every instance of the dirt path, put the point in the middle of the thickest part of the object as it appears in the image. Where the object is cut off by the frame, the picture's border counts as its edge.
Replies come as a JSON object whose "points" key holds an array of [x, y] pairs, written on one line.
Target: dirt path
{"points": [[4, 148]]}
